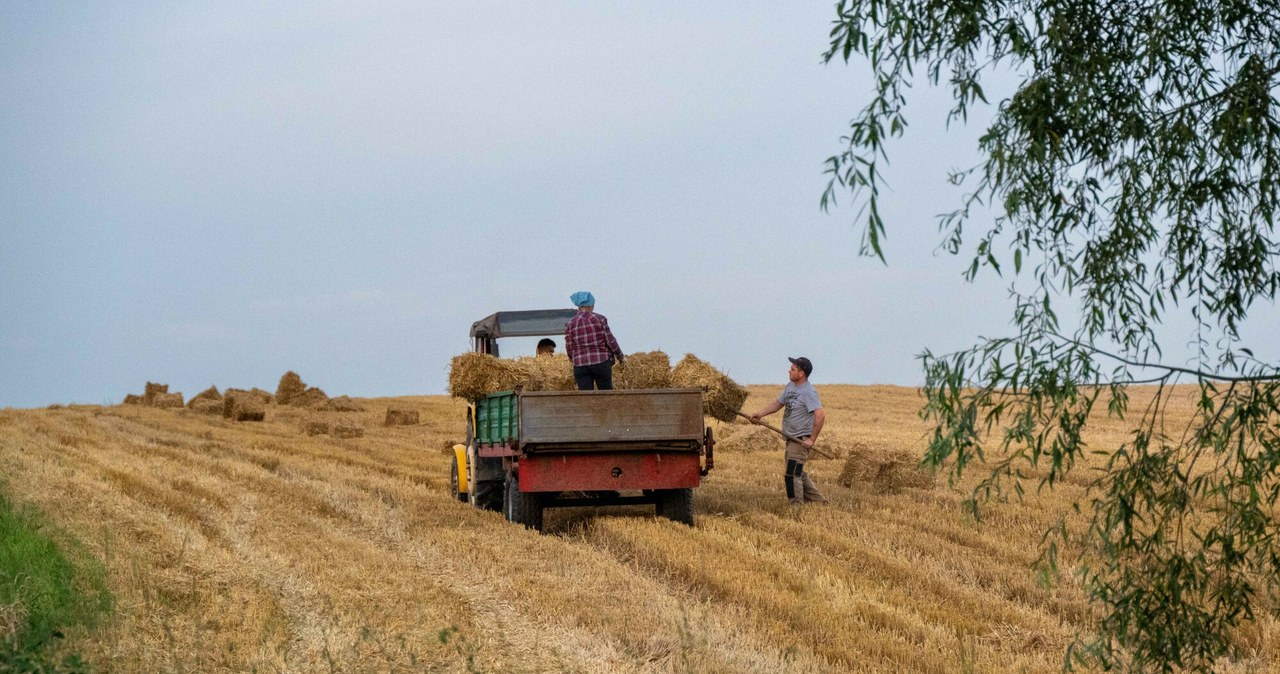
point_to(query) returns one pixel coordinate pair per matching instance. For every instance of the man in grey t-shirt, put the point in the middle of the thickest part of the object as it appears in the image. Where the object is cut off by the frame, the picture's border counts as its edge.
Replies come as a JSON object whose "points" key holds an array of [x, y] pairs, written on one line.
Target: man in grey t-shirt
{"points": [[803, 420]]}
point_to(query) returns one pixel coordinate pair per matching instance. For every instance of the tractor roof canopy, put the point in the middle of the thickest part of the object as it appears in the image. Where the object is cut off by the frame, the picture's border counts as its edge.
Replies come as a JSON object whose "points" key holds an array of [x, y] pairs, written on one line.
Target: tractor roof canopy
{"points": [[533, 323]]}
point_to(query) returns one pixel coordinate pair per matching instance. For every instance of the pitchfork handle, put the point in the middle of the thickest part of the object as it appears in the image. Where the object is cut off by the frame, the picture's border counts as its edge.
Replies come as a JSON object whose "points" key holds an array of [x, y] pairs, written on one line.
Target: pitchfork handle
{"points": [[784, 434]]}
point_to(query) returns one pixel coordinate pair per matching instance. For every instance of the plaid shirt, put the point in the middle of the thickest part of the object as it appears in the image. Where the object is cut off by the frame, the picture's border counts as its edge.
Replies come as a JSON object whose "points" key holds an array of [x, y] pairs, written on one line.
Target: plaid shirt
{"points": [[588, 340]]}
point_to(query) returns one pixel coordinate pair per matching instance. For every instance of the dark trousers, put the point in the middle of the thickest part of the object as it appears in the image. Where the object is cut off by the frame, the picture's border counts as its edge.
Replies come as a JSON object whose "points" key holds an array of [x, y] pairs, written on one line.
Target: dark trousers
{"points": [[598, 376]]}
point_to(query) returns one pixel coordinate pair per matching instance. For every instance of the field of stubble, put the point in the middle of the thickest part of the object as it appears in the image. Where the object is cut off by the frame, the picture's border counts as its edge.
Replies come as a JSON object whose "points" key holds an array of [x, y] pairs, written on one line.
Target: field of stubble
{"points": [[234, 547]]}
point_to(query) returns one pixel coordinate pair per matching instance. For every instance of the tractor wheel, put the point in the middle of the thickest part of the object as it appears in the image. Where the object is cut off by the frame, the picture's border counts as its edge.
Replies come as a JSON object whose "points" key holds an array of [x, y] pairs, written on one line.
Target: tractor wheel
{"points": [[460, 494], [488, 495], [676, 504], [523, 507]]}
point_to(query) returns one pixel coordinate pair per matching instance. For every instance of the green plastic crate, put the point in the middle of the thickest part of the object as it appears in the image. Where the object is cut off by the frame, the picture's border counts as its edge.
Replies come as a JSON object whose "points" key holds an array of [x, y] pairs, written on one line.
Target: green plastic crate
{"points": [[497, 418]]}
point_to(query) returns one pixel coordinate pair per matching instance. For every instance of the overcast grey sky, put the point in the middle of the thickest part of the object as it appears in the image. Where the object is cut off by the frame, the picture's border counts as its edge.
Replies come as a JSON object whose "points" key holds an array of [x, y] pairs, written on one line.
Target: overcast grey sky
{"points": [[207, 193]]}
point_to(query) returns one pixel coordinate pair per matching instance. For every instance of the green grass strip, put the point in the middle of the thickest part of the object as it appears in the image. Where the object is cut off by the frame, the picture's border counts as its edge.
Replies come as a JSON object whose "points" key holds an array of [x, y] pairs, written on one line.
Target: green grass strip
{"points": [[48, 582]]}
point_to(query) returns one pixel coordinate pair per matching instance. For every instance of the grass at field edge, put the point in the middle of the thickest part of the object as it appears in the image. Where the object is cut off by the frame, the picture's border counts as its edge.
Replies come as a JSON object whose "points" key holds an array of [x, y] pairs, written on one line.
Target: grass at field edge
{"points": [[48, 583]]}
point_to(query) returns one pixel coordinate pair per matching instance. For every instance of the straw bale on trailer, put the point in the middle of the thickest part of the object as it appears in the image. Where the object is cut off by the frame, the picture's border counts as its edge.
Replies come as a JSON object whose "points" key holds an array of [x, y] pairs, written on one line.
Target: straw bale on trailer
{"points": [[152, 390], [167, 400], [401, 417], [312, 397], [473, 375], [722, 396], [342, 404], [210, 394], [650, 369], [131, 399], [545, 373], [290, 386], [749, 439], [885, 471], [347, 429]]}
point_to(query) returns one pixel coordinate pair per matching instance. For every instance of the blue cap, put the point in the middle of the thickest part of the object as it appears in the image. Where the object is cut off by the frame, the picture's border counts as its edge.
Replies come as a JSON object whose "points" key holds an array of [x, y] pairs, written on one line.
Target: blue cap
{"points": [[583, 298]]}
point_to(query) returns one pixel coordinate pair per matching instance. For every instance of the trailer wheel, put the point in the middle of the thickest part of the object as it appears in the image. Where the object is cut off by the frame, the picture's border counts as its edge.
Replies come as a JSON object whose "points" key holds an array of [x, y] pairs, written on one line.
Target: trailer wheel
{"points": [[676, 504], [461, 494], [523, 507]]}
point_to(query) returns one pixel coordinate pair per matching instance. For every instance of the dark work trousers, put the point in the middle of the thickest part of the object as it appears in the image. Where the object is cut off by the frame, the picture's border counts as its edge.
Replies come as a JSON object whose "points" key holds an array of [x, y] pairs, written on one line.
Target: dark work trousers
{"points": [[800, 489], [598, 376]]}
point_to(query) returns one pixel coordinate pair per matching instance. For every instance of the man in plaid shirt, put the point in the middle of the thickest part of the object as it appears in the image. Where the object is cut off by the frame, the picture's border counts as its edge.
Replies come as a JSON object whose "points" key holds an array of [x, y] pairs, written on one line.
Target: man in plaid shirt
{"points": [[590, 345]]}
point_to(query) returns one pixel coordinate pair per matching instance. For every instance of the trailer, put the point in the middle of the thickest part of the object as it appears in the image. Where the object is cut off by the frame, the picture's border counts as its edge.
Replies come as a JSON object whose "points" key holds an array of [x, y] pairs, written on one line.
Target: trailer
{"points": [[527, 451]]}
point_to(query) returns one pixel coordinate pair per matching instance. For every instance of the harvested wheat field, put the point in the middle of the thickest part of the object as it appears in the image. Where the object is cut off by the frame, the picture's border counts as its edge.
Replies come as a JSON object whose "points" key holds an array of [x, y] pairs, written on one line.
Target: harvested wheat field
{"points": [[235, 547]]}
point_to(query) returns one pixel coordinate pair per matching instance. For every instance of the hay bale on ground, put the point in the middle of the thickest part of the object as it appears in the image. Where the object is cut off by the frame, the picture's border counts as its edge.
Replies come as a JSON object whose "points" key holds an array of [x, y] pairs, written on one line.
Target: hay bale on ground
{"points": [[884, 471], [722, 396], [153, 390], [401, 417], [347, 429], [546, 373], [750, 439], [650, 369], [229, 400], [342, 404], [312, 397], [131, 399], [167, 400], [246, 407], [209, 394], [206, 406], [315, 426], [290, 386], [475, 375]]}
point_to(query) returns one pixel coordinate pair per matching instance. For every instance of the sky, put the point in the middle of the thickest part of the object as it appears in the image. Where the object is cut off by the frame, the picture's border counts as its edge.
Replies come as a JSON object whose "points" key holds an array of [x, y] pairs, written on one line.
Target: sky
{"points": [[203, 193]]}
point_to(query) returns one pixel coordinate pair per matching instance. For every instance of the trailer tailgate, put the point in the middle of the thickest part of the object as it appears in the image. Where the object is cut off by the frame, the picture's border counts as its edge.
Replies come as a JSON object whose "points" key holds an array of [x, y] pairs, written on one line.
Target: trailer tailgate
{"points": [[668, 416]]}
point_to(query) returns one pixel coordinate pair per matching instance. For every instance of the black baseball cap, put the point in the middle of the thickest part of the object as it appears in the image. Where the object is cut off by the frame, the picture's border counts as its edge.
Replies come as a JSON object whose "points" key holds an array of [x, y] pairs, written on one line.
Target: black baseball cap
{"points": [[804, 364]]}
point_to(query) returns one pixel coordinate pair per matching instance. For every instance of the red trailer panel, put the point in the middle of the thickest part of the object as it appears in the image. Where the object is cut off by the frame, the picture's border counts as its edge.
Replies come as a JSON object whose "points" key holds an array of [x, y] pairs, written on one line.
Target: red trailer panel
{"points": [[616, 471]]}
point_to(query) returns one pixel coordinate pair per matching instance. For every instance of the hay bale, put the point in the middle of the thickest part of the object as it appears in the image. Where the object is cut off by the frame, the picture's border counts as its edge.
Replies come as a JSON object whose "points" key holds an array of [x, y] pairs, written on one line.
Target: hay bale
{"points": [[475, 375], [545, 373], [153, 390], [263, 397], [246, 407], [311, 397], [315, 426], [167, 400], [722, 396], [401, 417], [347, 429], [131, 399], [342, 404], [290, 386], [884, 471], [229, 400], [650, 369], [750, 439], [206, 406], [209, 394]]}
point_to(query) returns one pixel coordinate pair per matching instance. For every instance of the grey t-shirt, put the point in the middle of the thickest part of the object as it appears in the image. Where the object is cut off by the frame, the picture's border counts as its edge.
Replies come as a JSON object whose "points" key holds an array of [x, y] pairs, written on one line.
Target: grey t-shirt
{"points": [[800, 402]]}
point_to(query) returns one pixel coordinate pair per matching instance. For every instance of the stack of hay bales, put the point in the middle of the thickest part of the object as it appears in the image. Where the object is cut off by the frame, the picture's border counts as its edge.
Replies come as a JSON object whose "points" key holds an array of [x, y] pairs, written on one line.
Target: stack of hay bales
{"points": [[651, 369], [885, 471], [722, 397], [312, 397], [152, 390], [290, 386], [208, 401], [241, 405], [401, 417], [155, 395], [263, 397]]}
